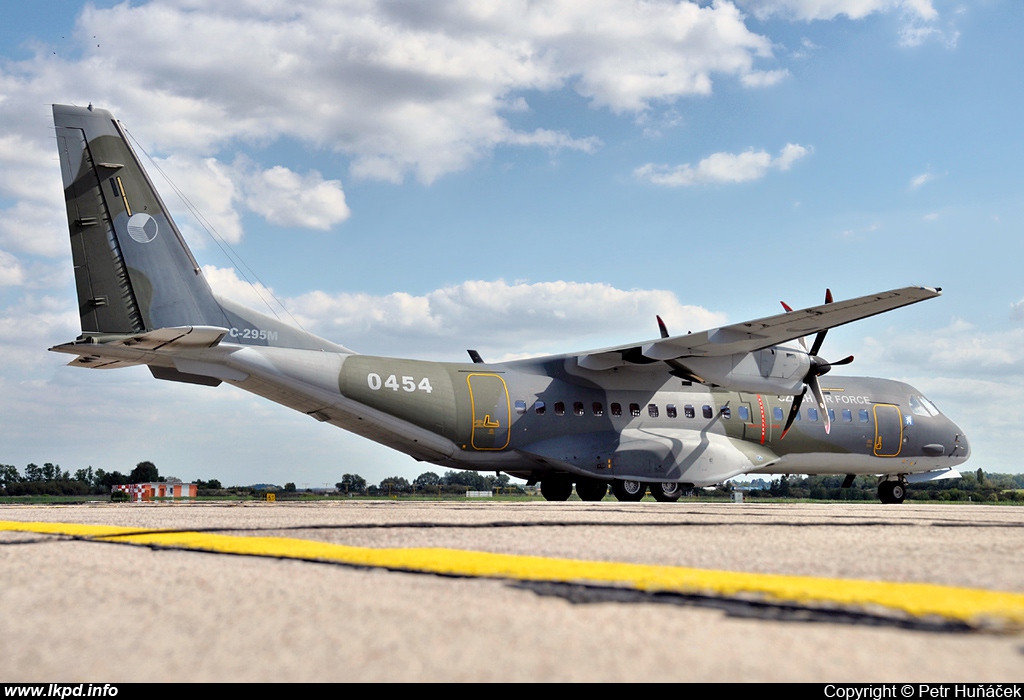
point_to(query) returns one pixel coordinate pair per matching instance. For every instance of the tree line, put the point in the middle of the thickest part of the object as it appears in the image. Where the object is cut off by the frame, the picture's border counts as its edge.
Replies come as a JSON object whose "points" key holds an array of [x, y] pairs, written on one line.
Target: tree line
{"points": [[978, 486], [51, 480], [427, 483]]}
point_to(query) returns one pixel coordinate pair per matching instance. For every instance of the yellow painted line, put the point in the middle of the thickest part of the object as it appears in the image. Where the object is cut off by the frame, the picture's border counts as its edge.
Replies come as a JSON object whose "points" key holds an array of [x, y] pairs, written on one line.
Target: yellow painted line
{"points": [[968, 605]]}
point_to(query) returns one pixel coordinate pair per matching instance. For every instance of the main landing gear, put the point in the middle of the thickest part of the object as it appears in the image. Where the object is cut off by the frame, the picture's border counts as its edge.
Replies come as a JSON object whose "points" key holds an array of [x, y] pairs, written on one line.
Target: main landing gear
{"points": [[892, 491], [666, 491], [629, 490], [558, 487]]}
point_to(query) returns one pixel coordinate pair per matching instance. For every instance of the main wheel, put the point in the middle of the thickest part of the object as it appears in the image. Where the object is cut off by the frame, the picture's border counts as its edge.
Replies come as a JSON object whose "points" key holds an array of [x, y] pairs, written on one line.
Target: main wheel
{"points": [[591, 489], [556, 487], [666, 491], [629, 489]]}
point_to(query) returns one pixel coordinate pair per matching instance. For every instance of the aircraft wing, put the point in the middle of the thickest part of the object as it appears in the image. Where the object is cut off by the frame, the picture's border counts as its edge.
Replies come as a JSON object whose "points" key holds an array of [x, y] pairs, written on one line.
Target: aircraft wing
{"points": [[759, 333]]}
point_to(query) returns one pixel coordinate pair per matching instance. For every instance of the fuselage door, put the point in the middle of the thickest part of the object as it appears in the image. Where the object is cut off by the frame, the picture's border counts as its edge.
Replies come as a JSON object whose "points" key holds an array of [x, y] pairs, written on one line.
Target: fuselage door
{"points": [[488, 395], [888, 430]]}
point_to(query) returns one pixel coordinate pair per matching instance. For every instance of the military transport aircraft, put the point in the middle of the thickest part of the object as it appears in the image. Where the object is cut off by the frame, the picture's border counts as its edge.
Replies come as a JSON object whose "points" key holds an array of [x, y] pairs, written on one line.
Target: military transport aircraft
{"points": [[667, 414]]}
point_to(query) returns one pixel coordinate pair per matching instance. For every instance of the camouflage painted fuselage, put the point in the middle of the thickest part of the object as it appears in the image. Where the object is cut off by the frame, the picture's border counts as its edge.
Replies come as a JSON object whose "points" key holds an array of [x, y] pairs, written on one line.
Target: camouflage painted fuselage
{"points": [[650, 412]]}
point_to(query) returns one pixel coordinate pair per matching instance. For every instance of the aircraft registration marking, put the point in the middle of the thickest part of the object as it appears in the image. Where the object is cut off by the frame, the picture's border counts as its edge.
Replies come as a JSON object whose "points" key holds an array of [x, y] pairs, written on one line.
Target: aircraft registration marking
{"points": [[975, 607], [408, 384]]}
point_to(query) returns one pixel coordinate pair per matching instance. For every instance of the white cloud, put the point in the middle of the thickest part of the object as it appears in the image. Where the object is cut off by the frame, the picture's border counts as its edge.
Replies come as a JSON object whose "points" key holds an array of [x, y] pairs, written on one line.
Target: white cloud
{"points": [[808, 10], [32, 325], [225, 282], [35, 228], [918, 16], [763, 78], [11, 272], [959, 349], [722, 167], [920, 180], [402, 88], [286, 198], [1017, 310], [495, 317], [211, 192]]}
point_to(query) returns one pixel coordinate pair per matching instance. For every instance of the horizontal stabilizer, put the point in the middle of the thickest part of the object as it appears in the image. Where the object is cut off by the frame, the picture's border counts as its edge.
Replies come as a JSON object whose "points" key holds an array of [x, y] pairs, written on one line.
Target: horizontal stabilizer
{"points": [[125, 351]]}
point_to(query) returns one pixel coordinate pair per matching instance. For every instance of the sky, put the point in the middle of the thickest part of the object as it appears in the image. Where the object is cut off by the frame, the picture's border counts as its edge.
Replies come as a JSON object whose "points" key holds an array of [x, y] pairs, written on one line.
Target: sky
{"points": [[414, 179]]}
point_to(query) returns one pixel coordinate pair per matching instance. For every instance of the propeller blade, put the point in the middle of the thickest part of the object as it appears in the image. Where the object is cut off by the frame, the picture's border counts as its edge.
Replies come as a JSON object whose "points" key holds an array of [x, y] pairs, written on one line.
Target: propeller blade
{"points": [[820, 338], [792, 413], [844, 361], [789, 310], [820, 400]]}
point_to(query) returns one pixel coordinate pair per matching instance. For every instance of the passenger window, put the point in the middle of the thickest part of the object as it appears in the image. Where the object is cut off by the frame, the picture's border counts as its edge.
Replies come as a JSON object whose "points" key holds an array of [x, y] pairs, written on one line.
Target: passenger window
{"points": [[831, 415], [707, 412], [616, 409], [539, 408], [652, 410], [671, 410], [598, 408], [634, 409], [777, 413], [520, 407], [863, 413], [847, 415], [577, 408], [559, 408], [744, 413], [726, 412], [812, 414], [689, 412], [908, 420]]}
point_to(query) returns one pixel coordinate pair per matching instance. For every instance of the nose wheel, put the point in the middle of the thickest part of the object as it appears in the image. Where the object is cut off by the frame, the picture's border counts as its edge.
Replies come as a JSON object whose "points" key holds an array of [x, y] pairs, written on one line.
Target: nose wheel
{"points": [[892, 491]]}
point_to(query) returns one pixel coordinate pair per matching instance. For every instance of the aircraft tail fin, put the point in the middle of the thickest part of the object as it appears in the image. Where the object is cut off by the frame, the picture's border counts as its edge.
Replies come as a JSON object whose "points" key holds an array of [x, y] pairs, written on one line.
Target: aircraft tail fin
{"points": [[133, 270]]}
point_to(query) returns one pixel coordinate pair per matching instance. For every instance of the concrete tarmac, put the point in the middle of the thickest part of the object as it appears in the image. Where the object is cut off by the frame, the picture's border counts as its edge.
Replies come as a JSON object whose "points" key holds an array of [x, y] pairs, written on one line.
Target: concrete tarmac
{"points": [[99, 611]]}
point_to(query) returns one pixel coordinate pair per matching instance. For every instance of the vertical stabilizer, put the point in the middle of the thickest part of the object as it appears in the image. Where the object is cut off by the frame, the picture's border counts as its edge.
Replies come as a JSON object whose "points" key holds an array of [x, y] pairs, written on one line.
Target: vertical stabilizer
{"points": [[133, 271]]}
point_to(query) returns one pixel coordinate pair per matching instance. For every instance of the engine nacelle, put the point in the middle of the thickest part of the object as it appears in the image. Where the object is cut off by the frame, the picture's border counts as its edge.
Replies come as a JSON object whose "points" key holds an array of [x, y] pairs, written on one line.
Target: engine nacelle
{"points": [[777, 370]]}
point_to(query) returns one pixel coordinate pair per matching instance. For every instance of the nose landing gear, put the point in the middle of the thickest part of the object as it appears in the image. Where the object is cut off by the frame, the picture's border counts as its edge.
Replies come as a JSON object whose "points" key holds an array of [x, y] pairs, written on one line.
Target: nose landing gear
{"points": [[892, 491]]}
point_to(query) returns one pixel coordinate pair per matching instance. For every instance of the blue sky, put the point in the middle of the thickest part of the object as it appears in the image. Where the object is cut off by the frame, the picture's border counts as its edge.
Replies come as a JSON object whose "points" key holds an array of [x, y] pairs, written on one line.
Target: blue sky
{"points": [[413, 179]]}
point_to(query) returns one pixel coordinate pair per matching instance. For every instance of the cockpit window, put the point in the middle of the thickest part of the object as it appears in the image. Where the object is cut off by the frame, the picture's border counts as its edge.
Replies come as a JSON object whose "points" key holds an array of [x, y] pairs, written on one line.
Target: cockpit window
{"points": [[921, 406]]}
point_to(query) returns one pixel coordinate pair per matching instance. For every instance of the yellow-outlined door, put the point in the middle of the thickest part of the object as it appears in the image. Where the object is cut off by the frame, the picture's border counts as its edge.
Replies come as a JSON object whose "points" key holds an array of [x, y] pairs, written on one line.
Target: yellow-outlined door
{"points": [[888, 430], [491, 411]]}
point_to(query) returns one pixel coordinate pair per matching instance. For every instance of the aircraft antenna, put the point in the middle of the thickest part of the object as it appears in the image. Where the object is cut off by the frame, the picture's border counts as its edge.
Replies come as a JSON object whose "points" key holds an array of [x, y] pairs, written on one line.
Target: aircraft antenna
{"points": [[233, 256]]}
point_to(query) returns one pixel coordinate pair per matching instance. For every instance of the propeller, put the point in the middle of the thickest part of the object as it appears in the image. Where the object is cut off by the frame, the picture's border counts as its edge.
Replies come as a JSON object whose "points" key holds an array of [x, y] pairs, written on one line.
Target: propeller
{"points": [[678, 369], [819, 366]]}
